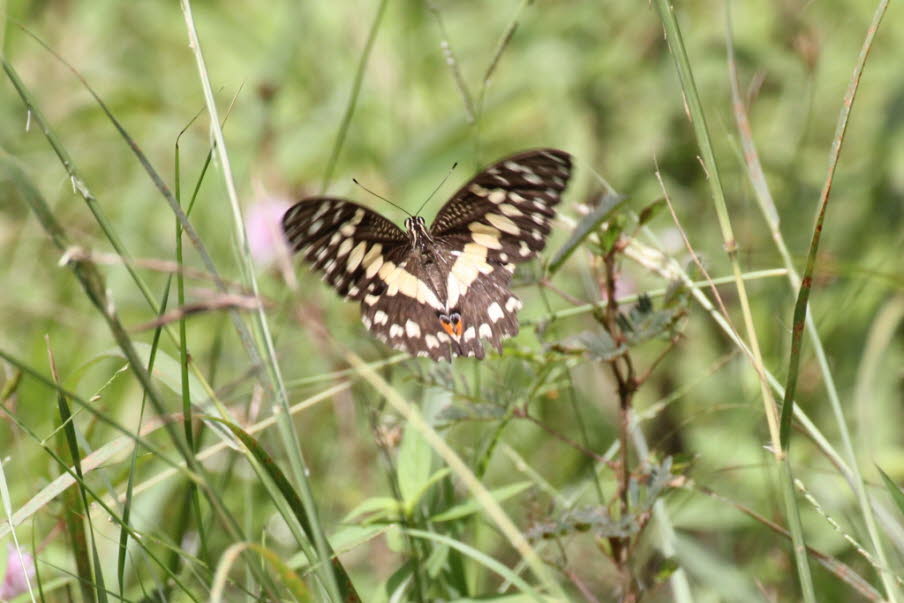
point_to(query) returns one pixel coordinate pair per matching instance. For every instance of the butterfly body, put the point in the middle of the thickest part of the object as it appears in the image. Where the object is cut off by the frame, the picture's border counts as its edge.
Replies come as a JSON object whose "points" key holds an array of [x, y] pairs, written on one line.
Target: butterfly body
{"points": [[438, 291]]}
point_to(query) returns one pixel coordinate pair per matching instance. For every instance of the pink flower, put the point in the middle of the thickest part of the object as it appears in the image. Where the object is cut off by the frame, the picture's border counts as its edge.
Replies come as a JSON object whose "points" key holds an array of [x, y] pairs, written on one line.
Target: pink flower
{"points": [[263, 225], [20, 566]]}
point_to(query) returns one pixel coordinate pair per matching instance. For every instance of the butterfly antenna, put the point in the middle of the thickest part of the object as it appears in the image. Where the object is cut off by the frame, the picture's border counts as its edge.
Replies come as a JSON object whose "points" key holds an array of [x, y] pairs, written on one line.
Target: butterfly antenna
{"points": [[452, 169], [381, 197]]}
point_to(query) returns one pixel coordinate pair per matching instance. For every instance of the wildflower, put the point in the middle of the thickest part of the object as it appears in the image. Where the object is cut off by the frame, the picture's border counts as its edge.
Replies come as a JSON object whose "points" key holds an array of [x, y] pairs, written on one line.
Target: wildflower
{"points": [[20, 566]]}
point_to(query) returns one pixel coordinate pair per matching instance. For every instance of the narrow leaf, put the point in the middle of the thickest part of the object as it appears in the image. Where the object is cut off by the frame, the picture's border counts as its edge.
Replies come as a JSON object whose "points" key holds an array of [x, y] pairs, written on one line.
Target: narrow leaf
{"points": [[587, 225]]}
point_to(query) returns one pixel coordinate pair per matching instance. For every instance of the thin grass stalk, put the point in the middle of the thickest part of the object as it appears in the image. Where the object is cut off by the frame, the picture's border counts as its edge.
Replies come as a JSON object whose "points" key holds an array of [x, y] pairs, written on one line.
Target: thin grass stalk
{"points": [[701, 131], [698, 120], [79, 185], [75, 521], [353, 97], [460, 470], [71, 471], [91, 201], [93, 285], [291, 442], [767, 207]]}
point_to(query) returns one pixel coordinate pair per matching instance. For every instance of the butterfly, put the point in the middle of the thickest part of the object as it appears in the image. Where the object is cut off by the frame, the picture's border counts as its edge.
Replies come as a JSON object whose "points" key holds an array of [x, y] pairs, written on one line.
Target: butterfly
{"points": [[438, 292]]}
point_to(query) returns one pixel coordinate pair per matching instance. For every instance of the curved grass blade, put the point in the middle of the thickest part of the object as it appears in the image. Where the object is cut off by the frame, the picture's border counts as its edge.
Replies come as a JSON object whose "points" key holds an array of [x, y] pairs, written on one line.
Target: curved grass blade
{"points": [[587, 225], [346, 588]]}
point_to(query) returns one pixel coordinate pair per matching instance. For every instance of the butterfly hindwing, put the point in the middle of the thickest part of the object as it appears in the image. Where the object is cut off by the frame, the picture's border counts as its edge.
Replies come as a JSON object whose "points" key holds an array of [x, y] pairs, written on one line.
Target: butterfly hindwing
{"points": [[348, 243], [507, 207]]}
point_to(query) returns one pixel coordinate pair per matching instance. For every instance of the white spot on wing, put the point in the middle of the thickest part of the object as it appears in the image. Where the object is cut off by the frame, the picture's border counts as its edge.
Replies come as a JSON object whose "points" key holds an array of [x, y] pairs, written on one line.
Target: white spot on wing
{"points": [[432, 342], [485, 331], [469, 334], [495, 312], [315, 226], [412, 329], [381, 317], [371, 299], [396, 331], [512, 304]]}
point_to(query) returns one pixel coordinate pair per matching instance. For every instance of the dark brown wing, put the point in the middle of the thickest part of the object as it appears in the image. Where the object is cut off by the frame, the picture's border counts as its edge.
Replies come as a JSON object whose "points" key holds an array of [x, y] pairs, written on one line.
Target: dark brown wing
{"points": [[348, 243], [508, 206]]}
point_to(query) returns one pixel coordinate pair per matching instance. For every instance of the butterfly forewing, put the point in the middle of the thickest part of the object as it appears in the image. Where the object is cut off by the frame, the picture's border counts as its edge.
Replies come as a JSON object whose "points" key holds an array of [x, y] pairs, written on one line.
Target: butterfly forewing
{"points": [[348, 243], [509, 206], [443, 292]]}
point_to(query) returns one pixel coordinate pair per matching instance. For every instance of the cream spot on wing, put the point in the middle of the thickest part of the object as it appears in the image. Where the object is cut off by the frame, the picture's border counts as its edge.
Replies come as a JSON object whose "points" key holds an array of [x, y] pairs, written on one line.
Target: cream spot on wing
{"points": [[387, 269], [426, 295], [431, 341], [422, 353], [353, 291], [335, 238], [396, 331], [366, 321], [321, 253], [502, 223], [469, 334], [479, 227], [536, 234], [485, 331], [538, 218], [412, 329], [495, 312], [497, 196], [324, 207], [315, 226], [408, 283], [486, 240], [381, 317], [533, 178], [442, 337], [355, 257], [478, 190], [517, 198], [524, 249], [347, 229], [453, 291], [371, 299], [345, 247], [373, 266], [515, 167], [510, 210]]}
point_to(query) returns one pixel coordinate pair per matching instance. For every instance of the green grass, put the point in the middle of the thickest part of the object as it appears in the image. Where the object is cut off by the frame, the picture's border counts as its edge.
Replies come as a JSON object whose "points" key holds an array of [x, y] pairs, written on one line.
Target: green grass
{"points": [[252, 427]]}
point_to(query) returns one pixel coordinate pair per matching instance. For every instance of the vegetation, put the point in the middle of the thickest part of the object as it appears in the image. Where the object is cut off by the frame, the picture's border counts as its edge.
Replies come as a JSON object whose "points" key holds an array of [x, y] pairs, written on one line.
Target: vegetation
{"points": [[186, 415]]}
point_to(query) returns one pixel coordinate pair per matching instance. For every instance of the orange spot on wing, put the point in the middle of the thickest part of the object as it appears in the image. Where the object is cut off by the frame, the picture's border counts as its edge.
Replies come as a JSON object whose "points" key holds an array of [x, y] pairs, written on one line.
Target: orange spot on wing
{"points": [[458, 328], [448, 328]]}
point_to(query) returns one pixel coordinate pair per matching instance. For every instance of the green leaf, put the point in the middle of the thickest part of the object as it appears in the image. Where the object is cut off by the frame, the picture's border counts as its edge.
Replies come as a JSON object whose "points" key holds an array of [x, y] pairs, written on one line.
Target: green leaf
{"points": [[415, 460], [587, 225], [897, 494], [411, 503], [377, 508]]}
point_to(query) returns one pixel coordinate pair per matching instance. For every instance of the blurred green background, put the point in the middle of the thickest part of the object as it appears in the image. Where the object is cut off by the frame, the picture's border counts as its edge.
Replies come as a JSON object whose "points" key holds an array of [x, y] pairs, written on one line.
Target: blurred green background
{"points": [[594, 78]]}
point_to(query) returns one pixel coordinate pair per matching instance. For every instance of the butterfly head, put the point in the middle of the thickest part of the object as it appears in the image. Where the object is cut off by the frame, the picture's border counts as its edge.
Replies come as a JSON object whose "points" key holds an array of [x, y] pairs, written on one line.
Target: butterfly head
{"points": [[417, 231]]}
